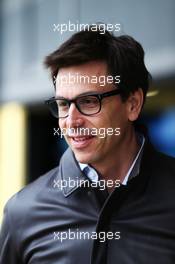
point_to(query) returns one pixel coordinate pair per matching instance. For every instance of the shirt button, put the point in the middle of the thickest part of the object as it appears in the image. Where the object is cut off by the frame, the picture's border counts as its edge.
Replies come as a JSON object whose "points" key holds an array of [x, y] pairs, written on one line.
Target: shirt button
{"points": [[89, 193]]}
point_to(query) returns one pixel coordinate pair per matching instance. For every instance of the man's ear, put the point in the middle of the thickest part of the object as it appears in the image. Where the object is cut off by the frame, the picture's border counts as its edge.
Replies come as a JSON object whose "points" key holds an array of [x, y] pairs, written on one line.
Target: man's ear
{"points": [[134, 104]]}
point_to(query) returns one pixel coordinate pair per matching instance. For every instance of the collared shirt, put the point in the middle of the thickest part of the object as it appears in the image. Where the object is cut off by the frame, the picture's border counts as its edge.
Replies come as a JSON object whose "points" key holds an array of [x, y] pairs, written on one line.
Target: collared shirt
{"points": [[133, 171]]}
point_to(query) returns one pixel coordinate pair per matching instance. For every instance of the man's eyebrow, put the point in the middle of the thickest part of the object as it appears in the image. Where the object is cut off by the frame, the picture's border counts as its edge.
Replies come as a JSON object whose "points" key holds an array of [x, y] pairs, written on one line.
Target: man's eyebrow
{"points": [[88, 93], [82, 94]]}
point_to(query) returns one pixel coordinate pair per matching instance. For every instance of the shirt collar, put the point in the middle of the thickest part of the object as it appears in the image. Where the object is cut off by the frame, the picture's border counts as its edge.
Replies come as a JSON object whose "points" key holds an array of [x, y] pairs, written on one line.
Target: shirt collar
{"points": [[135, 166], [90, 172]]}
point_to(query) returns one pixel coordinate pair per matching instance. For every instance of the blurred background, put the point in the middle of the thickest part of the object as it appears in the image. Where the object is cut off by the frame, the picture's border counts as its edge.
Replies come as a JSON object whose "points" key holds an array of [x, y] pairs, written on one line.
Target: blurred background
{"points": [[28, 147]]}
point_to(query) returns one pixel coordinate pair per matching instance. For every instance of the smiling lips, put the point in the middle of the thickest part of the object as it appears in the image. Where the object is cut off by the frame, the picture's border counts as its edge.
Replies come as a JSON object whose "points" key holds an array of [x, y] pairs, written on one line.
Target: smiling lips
{"points": [[81, 141], [81, 138]]}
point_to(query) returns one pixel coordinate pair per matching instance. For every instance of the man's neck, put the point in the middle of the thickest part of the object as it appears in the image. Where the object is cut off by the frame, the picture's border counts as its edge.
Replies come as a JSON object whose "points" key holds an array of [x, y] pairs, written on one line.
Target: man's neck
{"points": [[116, 166]]}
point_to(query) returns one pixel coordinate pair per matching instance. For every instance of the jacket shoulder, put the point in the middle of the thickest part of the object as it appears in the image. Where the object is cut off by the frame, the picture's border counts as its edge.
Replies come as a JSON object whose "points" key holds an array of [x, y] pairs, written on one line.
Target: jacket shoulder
{"points": [[23, 200], [163, 169], [18, 213], [166, 161]]}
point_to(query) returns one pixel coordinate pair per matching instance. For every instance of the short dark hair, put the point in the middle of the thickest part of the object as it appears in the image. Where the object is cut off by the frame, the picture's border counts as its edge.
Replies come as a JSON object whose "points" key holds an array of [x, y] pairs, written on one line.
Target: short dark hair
{"points": [[123, 55]]}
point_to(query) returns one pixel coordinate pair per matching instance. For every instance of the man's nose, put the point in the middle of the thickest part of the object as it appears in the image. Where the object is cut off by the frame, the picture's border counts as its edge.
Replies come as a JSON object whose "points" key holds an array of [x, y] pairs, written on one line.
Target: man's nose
{"points": [[75, 118]]}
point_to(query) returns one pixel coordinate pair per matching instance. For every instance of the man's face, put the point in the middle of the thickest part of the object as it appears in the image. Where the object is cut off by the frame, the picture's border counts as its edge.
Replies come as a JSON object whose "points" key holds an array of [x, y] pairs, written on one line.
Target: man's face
{"points": [[113, 115]]}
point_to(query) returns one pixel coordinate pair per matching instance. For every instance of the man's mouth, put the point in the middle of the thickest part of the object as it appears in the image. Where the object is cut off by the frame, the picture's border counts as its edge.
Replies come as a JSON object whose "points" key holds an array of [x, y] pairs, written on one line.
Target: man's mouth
{"points": [[81, 138], [81, 141]]}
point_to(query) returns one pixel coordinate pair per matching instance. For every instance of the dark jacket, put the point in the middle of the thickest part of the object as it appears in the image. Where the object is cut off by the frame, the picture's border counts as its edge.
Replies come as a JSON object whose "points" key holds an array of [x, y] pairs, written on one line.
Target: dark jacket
{"points": [[143, 212]]}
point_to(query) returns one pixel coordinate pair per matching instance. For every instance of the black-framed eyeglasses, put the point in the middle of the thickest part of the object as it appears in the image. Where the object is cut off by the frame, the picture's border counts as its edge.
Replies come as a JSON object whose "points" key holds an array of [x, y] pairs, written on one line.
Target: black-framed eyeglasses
{"points": [[88, 104]]}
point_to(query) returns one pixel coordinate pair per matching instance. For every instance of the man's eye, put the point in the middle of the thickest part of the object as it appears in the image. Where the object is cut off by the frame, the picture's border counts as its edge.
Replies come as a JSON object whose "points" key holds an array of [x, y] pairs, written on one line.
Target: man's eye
{"points": [[88, 101], [62, 103]]}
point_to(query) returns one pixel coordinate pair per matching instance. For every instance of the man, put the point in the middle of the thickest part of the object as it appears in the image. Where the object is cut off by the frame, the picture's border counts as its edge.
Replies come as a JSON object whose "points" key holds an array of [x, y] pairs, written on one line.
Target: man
{"points": [[67, 215]]}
